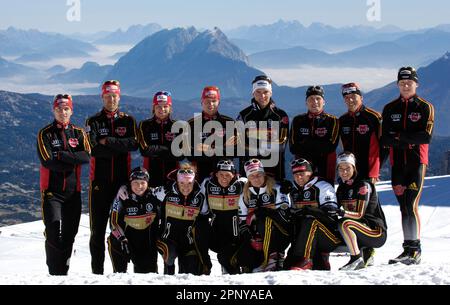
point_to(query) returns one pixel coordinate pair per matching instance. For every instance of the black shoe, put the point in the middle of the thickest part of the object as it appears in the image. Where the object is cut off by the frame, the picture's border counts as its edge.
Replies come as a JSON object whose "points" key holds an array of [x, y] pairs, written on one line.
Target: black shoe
{"points": [[368, 256], [411, 255], [356, 262], [169, 269]]}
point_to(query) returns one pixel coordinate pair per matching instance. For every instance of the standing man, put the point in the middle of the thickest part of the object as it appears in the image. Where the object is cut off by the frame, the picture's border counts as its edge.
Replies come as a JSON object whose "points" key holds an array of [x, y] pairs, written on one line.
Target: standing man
{"points": [[201, 157], [407, 128], [315, 135], [263, 109], [360, 131], [62, 148], [112, 135]]}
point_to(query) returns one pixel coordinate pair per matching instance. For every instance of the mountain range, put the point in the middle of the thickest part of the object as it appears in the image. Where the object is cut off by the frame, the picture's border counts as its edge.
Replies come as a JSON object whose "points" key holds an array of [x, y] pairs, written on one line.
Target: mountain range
{"points": [[131, 36], [414, 49], [16, 42], [181, 60], [90, 72]]}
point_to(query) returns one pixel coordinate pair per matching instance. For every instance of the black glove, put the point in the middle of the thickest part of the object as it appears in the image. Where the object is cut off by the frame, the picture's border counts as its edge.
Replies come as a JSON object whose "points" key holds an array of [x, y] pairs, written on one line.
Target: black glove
{"points": [[124, 244], [285, 186]]}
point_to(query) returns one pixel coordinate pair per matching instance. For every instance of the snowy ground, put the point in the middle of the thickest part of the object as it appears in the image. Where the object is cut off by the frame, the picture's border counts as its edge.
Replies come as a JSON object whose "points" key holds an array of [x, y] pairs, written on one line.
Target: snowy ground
{"points": [[22, 259]]}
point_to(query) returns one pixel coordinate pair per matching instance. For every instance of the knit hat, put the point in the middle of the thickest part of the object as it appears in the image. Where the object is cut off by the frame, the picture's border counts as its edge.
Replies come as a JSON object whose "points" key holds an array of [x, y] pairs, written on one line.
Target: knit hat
{"points": [[253, 166], [139, 173], [346, 157], [351, 88], [211, 92], [63, 100], [315, 90], [407, 73], [301, 165], [262, 82], [111, 87], [161, 97]]}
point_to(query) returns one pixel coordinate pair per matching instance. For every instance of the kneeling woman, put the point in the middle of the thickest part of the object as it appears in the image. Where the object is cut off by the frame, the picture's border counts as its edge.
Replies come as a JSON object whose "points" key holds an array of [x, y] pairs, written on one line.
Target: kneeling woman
{"points": [[134, 226], [264, 218], [181, 205], [314, 231], [363, 225]]}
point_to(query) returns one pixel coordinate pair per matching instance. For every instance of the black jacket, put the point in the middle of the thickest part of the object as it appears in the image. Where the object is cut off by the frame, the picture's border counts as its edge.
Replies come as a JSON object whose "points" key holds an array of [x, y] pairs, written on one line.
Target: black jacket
{"points": [[61, 151], [360, 134], [360, 201], [407, 130], [111, 163]]}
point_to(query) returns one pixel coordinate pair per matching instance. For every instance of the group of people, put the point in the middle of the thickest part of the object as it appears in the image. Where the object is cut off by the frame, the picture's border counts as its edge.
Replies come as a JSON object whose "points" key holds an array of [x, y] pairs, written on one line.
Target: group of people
{"points": [[184, 206]]}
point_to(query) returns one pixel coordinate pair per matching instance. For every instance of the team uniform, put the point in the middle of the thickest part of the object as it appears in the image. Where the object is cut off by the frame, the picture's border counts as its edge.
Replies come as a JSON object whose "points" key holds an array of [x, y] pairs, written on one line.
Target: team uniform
{"points": [[110, 168], [314, 232], [62, 149], [254, 117], [363, 225], [315, 138], [178, 234], [407, 130], [264, 226], [223, 204], [134, 221], [360, 133], [155, 146], [207, 164]]}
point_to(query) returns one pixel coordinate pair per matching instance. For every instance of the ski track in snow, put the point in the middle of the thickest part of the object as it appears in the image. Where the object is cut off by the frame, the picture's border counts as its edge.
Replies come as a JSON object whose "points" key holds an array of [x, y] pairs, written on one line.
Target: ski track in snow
{"points": [[22, 261]]}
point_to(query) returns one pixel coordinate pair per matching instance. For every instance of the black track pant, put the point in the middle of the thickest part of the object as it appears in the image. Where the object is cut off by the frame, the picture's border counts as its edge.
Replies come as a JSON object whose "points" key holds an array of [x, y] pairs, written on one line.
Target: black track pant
{"points": [[313, 237], [100, 200], [407, 183], [61, 215], [358, 235], [188, 258], [275, 237], [143, 252]]}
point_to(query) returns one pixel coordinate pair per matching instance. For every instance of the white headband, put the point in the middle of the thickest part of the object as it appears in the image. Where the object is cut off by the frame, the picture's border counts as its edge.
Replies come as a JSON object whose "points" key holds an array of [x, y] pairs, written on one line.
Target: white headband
{"points": [[347, 159], [262, 84]]}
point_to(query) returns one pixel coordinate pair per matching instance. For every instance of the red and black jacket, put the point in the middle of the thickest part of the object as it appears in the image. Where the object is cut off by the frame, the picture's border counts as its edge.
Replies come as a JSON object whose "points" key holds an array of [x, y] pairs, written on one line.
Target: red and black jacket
{"points": [[62, 149], [407, 130], [155, 140], [360, 133], [111, 163], [315, 138]]}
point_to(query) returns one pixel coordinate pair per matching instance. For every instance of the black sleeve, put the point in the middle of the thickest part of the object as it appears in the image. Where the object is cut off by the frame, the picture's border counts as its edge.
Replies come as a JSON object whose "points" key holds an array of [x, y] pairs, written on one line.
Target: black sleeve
{"points": [[124, 145], [48, 158], [79, 157], [97, 149]]}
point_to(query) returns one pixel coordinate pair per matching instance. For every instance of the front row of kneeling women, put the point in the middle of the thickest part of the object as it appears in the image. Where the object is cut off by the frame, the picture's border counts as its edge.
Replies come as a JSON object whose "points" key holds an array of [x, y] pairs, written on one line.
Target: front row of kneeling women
{"points": [[249, 222]]}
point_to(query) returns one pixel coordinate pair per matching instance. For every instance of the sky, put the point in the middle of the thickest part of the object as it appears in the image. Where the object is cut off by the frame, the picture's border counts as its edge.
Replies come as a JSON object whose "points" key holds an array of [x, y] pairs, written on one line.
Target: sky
{"points": [[96, 15]]}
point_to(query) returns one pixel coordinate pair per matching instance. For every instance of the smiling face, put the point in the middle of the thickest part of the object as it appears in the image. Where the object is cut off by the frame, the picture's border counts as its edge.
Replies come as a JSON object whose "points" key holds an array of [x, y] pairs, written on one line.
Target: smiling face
{"points": [[162, 111], [257, 179], [62, 114], [346, 171], [407, 88], [301, 178], [210, 106], [353, 101], [111, 101], [185, 187], [315, 104], [224, 178], [139, 186]]}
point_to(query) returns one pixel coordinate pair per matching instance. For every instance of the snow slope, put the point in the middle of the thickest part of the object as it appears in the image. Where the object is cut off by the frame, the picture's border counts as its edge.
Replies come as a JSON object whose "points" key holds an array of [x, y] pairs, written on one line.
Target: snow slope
{"points": [[22, 255]]}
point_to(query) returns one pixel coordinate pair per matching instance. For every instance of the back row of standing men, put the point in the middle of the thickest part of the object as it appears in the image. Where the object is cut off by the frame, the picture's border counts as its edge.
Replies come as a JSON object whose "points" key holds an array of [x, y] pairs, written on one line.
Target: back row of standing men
{"points": [[403, 132]]}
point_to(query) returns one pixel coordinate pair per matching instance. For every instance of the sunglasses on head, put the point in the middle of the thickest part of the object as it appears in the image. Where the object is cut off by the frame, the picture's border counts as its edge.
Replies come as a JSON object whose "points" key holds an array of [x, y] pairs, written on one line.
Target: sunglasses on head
{"points": [[252, 161], [185, 171], [299, 162]]}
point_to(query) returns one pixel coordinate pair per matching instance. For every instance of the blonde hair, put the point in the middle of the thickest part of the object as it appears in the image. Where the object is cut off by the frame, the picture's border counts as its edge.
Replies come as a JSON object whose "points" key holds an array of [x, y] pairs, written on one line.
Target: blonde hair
{"points": [[170, 110], [270, 184]]}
